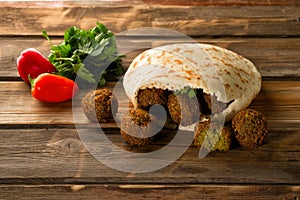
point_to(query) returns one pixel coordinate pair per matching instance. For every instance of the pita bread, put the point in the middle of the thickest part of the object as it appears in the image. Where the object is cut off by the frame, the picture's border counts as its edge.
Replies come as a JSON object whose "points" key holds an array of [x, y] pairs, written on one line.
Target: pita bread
{"points": [[220, 72]]}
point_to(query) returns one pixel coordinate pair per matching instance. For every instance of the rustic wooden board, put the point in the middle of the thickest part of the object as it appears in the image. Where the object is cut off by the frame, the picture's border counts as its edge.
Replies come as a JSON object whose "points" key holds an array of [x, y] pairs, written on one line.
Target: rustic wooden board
{"points": [[43, 157], [151, 192], [54, 156], [118, 17], [274, 57]]}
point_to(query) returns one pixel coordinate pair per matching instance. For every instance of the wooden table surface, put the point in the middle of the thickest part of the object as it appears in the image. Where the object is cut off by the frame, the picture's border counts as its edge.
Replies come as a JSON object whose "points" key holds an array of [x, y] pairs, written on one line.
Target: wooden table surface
{"points": [[42, 156]]}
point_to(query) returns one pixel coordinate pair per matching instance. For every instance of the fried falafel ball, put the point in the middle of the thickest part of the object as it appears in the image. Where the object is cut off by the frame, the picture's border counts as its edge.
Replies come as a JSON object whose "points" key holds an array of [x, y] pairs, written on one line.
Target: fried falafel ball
{"points": [[250, 128], [151, 96], [212, 139], [213, 104], [183, 109], [138, 127], [100, 105]]}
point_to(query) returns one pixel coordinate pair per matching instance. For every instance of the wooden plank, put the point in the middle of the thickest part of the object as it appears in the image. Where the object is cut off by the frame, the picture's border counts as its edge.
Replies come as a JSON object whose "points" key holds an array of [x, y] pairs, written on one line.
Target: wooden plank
{"points": [[190, 20], [274, 57], [53, 156], [224, 2], [151, 192], [278, 100], [16, 99], [69, 3]]}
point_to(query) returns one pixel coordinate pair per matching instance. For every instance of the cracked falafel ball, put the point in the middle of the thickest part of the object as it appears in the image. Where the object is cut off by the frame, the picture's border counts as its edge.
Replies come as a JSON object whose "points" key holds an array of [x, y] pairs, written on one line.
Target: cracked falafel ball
{"points": [[183, 109], [250, 128], [215, 140], [138, 127], [100, 105]]}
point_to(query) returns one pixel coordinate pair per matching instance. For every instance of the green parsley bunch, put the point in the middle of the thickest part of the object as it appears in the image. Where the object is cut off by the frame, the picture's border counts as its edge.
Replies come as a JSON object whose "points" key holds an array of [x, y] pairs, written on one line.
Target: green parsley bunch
{"points": [[89, 54]]}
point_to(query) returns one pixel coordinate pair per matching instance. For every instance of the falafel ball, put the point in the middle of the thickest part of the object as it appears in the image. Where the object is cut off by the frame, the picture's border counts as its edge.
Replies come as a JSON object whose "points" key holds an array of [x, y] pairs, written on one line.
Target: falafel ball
{"points": [[138, 127], [183, 109], [100, 105], [213, 104], [150, 96], [250, 128], [215, 140]]}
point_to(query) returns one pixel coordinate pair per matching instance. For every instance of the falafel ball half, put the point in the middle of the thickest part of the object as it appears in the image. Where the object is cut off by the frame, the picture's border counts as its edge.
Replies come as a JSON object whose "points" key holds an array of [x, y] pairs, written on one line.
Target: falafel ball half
{"points": [[183, 109], [138, 127], [250, 128], [100, 105], [215, 140]]}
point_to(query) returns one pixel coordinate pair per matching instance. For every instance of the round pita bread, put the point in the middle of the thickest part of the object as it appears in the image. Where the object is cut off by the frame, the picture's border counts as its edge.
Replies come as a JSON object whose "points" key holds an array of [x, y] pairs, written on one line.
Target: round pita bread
{"points": [[220, 72]]}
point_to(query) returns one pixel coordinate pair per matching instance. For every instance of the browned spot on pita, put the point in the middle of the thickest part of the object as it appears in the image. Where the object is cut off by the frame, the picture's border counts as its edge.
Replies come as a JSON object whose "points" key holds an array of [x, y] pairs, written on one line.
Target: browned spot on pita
{"points": [[214, 49], [164, 62], [252, 75], [226, 71], [189, 51], [163, 53], [240, 76], [134, 64], [178, 76], [189, 72], [238, 86], [172, 71], [142, 56], [149, 59], [228, 64], [160, 76], [215, 77], [187, 78], [206, 65], [178, 62], [245, 80], [177, 49], [190, 60], [215, 57], [184, 77], [227, 86]]}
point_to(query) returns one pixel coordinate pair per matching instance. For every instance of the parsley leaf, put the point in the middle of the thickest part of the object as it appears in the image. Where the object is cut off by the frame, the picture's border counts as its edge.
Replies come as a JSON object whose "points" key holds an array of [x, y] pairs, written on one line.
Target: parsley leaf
{"points": [[191, 93]]}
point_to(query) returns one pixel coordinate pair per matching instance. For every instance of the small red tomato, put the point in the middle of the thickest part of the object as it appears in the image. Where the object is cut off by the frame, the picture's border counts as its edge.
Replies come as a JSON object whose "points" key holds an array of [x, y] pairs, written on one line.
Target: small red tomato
{"points": [[53, 88]]}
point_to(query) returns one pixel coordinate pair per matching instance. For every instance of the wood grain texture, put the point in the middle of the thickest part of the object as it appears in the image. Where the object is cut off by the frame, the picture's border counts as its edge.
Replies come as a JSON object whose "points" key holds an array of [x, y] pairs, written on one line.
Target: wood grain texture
{"points": [[119, 17], [224, 2], [151, 192], [69, 3], [274, 57], [53, 156], [34, 151], [278, 100]]}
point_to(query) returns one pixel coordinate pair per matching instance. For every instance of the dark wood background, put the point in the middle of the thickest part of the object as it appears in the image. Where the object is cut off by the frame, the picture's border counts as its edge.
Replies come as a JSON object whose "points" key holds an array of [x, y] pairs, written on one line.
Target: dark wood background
{"points": [[42, 157]]}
